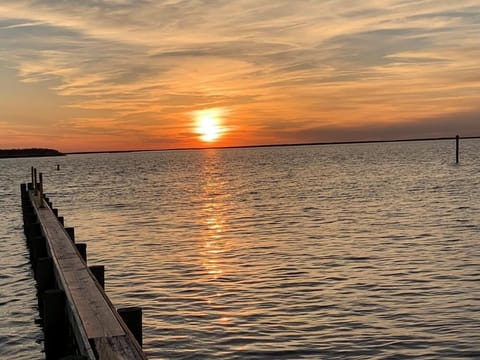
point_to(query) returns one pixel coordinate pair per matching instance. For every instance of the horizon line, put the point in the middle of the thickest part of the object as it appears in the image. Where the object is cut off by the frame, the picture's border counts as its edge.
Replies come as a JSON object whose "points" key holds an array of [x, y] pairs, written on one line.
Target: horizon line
{"points": [[273, 145]]}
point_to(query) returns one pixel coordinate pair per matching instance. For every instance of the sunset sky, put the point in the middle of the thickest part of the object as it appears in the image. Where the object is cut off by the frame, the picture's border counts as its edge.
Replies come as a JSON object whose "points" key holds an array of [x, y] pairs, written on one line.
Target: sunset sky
{"points": [[145, 74]]}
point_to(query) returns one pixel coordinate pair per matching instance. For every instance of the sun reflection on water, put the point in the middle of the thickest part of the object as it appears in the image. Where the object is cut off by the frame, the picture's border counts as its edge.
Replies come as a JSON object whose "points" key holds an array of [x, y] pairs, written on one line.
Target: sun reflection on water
{"points": [[214, 243], [213, 219], [213, 246]]}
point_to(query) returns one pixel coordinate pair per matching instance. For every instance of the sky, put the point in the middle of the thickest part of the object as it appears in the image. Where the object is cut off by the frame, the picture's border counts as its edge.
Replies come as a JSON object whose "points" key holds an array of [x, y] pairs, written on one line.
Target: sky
{"points": [[91, 75]]}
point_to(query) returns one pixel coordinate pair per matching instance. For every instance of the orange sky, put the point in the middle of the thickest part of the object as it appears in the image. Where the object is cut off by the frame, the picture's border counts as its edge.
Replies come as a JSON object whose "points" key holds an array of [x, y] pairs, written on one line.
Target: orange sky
{"points": [[121, 74]]}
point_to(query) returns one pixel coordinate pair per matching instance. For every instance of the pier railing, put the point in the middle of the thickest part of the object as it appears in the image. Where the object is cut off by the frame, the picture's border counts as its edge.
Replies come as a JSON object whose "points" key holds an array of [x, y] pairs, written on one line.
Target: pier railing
{"points": [[79, 320]]}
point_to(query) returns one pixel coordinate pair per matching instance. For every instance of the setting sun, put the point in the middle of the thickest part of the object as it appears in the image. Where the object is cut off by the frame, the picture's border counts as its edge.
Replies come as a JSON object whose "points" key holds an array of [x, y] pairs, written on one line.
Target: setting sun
{"points": [[208, 124]]}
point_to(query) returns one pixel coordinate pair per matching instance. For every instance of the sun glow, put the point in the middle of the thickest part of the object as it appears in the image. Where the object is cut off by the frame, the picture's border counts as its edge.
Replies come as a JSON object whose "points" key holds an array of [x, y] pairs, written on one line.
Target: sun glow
{"points": [[209, 124]]}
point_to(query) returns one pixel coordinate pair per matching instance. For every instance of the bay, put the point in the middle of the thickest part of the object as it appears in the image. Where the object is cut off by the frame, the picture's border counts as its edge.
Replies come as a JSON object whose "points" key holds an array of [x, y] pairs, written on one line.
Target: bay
{"points": [[347, 251]]}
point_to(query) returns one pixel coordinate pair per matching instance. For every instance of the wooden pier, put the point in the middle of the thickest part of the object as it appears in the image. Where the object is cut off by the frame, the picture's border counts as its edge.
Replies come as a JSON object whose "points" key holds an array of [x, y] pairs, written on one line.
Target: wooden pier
{"points": [[79, 320]]}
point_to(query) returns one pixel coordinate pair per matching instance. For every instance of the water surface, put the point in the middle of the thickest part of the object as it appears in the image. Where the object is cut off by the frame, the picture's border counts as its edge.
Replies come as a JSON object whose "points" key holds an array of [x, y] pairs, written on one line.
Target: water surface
{"points": [[348, 251]]}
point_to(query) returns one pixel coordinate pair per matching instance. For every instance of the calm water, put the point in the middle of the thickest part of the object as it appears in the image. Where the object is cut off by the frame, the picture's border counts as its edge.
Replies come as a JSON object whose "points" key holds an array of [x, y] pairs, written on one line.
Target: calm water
{"points": [[354, 251]]}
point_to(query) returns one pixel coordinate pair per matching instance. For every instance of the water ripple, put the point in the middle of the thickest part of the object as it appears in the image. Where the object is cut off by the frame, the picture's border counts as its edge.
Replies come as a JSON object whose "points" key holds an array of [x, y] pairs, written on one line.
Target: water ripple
{"points": [[364, 251]]}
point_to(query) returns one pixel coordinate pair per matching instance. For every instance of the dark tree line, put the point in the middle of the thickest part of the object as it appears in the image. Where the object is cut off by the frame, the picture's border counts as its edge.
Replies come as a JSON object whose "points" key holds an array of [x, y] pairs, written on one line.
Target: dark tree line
{"points": [[10, 153]]}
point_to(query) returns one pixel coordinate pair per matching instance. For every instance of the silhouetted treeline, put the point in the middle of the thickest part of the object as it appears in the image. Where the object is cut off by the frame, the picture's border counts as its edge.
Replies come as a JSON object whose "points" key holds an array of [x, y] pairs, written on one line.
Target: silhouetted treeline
{"points": [[11, 153]]}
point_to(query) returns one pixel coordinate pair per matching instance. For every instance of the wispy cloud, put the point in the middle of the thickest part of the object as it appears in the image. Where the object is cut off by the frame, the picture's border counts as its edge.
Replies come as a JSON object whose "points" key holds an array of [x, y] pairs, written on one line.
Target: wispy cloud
{"points": [[145, 65], [22, 25]]}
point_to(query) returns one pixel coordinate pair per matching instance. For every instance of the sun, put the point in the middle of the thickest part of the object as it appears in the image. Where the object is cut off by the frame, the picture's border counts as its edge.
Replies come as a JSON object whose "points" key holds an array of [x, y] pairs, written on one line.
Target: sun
{"points": [[208, 129], [209, 126]]}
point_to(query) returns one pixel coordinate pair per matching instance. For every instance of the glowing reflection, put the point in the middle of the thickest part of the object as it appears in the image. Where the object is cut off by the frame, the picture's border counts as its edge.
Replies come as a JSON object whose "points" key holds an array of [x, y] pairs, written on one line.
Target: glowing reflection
{"points": [[213, 244], [216, 247], [213, 221]]}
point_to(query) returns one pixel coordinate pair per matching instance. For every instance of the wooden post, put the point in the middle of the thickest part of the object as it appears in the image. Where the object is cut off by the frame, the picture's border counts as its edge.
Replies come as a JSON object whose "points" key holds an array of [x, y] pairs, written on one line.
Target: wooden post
{"points": [[33, 230], [40, 197], [33, 178], [71, 232], [39, 248], [47, 200], [99, 272], [132, 316], [82, 249], [26, 205], [23, 192], [44, 275], [35, 182], [54, 320], [29, 215], [457, 152], [29, 218]]}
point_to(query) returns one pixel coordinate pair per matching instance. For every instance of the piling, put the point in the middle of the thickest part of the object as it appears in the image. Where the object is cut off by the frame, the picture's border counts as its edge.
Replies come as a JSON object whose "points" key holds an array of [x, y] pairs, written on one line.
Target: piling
{"points": [[99, 272], [82, 249], [44, 274], [32, 170], [23, 192], [79, 320], [55, 327], [33, 230], [71, 232], [38, 247], [35, 182], [457, 149], [40, 191], [47, 200], [133, 318]]}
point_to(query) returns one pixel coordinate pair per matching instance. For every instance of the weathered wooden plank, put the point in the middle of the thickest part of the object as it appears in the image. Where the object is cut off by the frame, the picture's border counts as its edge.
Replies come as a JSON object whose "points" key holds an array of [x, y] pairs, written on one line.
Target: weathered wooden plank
{"points": [[96, 316], [115, 348], [88, 307]]}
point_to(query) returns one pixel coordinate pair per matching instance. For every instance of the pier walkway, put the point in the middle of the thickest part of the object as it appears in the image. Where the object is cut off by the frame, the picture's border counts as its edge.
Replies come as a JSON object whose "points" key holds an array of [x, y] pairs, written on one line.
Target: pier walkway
{"points": [[79, 319]]}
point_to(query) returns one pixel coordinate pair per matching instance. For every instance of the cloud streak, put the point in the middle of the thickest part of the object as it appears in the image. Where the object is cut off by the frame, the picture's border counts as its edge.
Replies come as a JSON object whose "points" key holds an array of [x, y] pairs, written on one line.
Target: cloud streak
{"points": [[146, 65]]}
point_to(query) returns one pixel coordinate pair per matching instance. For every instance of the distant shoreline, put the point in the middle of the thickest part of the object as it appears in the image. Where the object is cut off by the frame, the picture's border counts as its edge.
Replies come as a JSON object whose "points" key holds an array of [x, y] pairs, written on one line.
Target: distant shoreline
{"points": [[39, 152], [274, 145], [24, 153]]}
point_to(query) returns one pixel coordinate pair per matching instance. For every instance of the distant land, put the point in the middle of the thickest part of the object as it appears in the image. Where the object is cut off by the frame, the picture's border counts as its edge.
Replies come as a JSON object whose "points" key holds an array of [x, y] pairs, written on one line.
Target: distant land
{"points": [[16, 153]]}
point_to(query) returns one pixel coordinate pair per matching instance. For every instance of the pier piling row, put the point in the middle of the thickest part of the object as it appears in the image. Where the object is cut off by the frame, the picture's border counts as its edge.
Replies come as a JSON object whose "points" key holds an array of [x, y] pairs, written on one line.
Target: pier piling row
{"points": [[79, 320]]}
